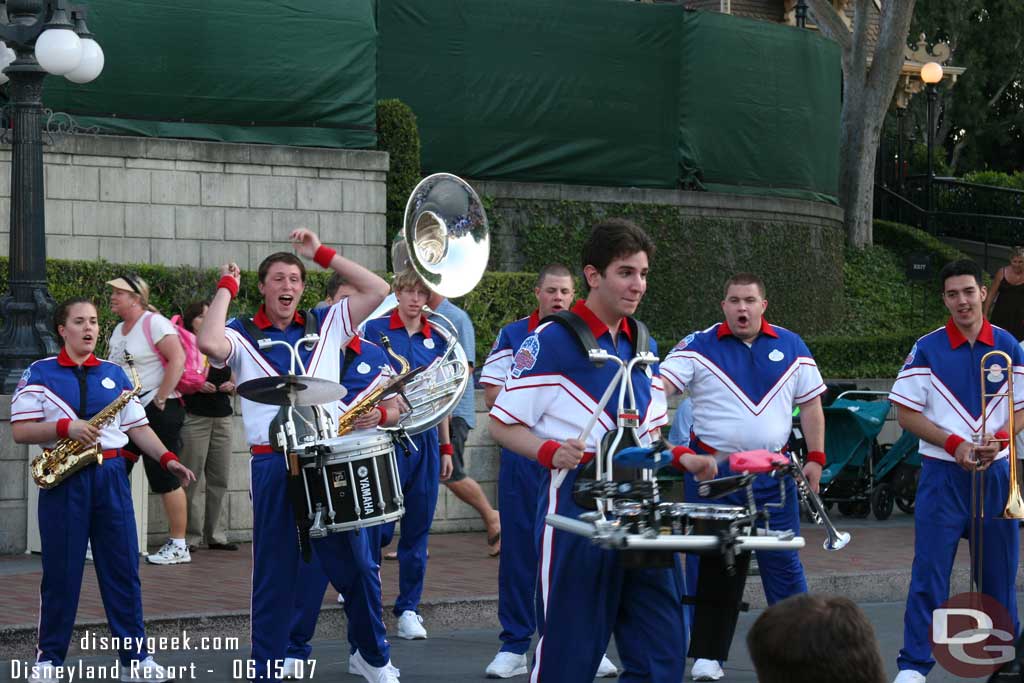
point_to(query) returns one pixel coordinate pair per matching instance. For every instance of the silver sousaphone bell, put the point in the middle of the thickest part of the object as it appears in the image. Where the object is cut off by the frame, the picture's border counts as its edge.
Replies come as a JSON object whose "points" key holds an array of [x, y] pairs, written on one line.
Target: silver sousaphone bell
{"points": [[445, 238]]}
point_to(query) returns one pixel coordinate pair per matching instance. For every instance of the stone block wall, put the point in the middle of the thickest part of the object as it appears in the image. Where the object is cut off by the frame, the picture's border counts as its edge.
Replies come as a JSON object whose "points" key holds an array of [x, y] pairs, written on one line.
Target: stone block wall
{"points": [[182, 202]]}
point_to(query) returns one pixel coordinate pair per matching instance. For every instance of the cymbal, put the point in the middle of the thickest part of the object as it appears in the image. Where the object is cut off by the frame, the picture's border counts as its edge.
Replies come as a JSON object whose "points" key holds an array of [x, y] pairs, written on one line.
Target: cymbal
{"points": [[398, 382], [287, 390]]}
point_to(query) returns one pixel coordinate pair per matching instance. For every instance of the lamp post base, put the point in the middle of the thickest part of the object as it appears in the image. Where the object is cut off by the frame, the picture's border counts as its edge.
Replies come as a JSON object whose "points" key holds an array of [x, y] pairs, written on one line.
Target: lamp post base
{"points": [[26, 335]]}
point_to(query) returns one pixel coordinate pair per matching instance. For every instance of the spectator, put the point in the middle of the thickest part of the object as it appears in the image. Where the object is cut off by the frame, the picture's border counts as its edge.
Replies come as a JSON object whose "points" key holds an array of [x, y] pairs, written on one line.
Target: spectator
{"points": [[815, 638], [1005, 305], [206, 447], [159, 359], [463, 419]]}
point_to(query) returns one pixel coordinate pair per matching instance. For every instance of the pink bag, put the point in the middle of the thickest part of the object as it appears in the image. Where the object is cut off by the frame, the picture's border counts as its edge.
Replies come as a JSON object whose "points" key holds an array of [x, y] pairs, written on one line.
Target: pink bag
{"points": [[194, 375]]}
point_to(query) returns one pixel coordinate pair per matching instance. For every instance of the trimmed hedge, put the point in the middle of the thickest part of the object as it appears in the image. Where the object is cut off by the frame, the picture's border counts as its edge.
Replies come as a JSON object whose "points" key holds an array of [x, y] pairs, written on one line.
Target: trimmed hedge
{"points": [[884, 314], [398, 135]]}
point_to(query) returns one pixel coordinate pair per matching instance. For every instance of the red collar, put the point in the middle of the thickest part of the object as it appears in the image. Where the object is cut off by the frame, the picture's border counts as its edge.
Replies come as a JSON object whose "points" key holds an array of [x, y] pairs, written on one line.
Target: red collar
{"points": [[724, 331], [261, 320], [355, 344], [63, 359], [534, 320], [595, 324], [396, 323], [956, 337]]}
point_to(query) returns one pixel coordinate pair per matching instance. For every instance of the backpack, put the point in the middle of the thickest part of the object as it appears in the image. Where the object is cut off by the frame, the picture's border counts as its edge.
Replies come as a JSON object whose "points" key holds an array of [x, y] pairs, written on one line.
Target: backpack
{"points": [[194, 374]]}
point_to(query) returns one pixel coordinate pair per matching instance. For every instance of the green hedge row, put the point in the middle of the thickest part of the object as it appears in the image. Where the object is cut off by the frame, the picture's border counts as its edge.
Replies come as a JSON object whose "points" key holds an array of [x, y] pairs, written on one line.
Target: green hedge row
{"points": [[398, 135]]}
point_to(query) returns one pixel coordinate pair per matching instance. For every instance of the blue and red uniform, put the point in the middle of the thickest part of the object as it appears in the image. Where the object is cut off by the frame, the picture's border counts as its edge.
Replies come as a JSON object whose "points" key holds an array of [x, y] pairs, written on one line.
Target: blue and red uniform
{"points": [[367, 370], [743, 398], [94, 504], [585, 594], [344, 558], [519, 483], [941, 379], [419, 469]]}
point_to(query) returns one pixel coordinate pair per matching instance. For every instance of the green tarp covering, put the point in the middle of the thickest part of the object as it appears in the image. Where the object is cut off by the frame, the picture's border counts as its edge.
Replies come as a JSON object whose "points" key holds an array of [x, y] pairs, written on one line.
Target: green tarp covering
{"points": [[291, 73], [600, 92]]}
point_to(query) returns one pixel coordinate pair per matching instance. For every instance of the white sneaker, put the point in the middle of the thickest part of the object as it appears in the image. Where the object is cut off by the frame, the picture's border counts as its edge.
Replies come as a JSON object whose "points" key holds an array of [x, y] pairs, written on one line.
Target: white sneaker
{"points": [[143, 672], [410, 626], [909, 676], [341, 599], [170, 554], [507, 665], [706, 670], [374, 674], [43, 672], [288, 668], [606, 669]]}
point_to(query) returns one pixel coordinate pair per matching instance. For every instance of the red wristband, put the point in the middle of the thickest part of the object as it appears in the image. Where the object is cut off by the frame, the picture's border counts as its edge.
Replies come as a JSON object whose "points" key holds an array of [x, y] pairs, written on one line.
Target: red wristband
{"points": [[62, 427], [677, 456], [546, 453], [816, 456], [384, 415], [167, 458], [229, 283], [323, 256], [447, 449], [952, 441], [1003, 437]]}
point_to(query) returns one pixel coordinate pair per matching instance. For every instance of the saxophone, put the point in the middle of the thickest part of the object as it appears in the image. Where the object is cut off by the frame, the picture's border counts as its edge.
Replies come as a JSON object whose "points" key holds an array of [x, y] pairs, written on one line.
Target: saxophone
{"points": [[68, 456], [346, 422]]}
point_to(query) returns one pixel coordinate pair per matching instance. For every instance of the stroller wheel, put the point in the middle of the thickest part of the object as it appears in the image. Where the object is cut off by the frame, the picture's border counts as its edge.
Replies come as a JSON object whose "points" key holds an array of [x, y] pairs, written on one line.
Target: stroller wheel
{"points": [[882, 501], [906, 504]]}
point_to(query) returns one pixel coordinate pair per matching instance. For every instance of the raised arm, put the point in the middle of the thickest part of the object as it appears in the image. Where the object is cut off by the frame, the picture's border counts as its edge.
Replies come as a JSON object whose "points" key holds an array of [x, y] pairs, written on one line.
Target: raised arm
{"points": [[211, 339], [370, 287]]}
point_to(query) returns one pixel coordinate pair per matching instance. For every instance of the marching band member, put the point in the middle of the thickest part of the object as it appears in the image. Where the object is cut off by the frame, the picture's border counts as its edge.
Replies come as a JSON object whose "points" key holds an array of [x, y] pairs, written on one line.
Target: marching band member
{"points": [[364, 367], [939, 400], [585, 594], [420, 467], [55, 400], [519, 483], [744, 377], [343, 557]]}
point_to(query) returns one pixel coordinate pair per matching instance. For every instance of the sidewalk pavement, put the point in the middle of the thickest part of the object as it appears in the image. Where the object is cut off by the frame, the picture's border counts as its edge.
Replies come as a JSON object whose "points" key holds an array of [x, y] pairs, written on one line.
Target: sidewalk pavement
{"points": [[212, 593]]}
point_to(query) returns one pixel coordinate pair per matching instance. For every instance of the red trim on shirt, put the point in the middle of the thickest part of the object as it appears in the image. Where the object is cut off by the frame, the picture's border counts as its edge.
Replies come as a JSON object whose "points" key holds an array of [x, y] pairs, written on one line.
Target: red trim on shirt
{"points": [[395, 322], [534, 320], [63, 359], [724, 331], [957, 338], [595, 324], [355, 345], [261, 320]]}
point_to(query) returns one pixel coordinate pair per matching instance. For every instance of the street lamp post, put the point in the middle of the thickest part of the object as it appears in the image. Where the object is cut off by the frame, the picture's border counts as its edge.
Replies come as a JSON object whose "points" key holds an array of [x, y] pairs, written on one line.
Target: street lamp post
{"points": [[931, 73], [47, 37]]}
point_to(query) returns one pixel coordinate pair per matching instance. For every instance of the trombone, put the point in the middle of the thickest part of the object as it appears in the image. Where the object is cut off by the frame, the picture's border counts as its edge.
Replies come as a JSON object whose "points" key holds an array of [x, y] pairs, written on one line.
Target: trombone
{"points": [[1014, 506]]}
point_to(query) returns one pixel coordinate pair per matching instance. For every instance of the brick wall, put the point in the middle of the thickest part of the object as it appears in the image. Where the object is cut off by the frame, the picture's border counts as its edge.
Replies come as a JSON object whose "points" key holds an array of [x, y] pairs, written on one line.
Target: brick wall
{"points": [[181, 202]]}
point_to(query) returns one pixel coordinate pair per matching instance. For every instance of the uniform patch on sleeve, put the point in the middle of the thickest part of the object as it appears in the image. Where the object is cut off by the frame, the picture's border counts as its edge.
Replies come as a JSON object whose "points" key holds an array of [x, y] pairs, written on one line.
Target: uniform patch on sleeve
{"points": [[23, 382], [494, 346], [910, 356], [687, 340], [526, 356]]}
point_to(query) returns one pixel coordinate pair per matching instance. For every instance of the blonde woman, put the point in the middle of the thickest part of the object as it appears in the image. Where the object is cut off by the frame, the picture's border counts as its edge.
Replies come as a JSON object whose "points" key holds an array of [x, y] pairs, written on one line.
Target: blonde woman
{"points": [[159, 358], [1005, 304]]}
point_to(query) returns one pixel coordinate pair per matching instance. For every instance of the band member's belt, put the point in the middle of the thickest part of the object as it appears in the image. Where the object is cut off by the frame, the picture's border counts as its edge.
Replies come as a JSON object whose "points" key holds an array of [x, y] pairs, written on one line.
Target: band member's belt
{"points": [[700, 446], [109, 453], [263, 449]]}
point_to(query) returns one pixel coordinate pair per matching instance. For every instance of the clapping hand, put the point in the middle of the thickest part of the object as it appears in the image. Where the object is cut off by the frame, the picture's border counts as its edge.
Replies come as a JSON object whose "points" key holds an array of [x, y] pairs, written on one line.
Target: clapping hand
{"points": [[305, 242]]}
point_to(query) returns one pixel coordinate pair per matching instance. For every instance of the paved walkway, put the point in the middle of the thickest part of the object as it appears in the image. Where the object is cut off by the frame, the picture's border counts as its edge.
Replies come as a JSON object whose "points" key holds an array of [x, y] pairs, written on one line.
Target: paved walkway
{"points": [[218, 582]]}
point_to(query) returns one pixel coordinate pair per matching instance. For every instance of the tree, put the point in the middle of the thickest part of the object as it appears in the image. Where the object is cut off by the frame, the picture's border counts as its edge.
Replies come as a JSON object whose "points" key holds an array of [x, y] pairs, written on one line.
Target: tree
{"points": [[981, 123], [869, 81]]}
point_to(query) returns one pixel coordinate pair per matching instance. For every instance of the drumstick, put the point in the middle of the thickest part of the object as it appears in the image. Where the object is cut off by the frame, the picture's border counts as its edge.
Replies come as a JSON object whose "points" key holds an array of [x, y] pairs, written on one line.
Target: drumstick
{"points": [[585, 434]]}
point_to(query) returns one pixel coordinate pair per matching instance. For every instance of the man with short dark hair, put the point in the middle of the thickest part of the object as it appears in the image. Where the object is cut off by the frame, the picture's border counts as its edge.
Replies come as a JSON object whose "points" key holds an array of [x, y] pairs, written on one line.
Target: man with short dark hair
{"points": [[938, 395], [744, 377], [282, 282], [815, 638], [585, 593]]}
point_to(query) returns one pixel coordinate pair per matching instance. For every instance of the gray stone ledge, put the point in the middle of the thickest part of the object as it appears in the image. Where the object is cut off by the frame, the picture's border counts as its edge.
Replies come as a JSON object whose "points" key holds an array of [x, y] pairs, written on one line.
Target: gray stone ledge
{"points": [[754, 207], [216, 152]]}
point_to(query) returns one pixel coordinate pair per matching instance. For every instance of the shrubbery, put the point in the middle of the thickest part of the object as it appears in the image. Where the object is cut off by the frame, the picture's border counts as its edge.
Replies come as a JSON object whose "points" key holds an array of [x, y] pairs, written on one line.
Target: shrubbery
{"points": [[398, 135]]}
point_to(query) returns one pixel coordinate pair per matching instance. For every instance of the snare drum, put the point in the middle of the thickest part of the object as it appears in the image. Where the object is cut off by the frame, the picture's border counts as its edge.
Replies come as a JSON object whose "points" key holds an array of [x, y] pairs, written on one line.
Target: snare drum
{"points": [[703, 519], [351, 482]]}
